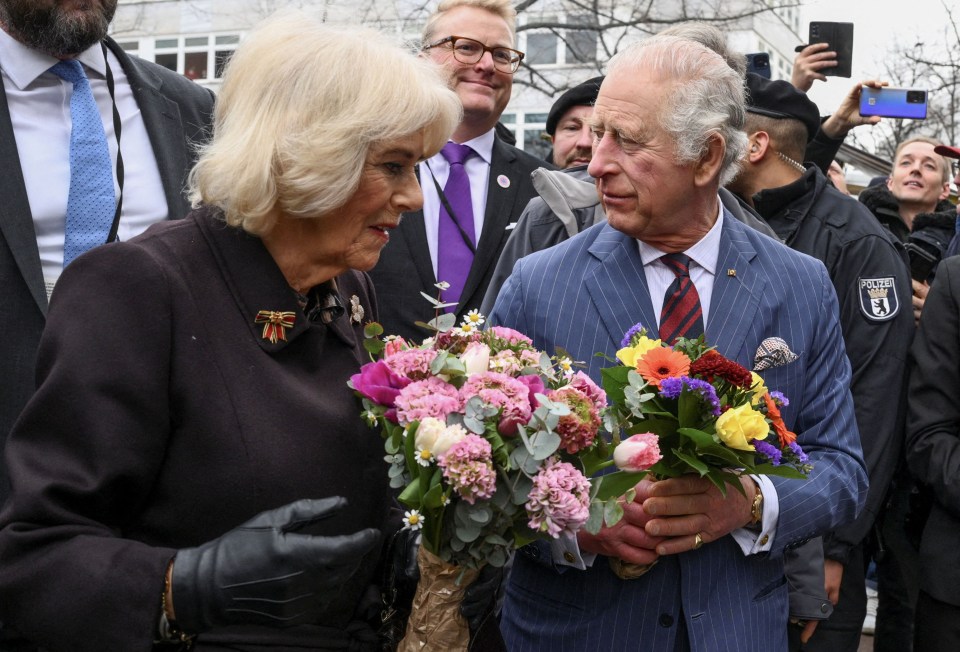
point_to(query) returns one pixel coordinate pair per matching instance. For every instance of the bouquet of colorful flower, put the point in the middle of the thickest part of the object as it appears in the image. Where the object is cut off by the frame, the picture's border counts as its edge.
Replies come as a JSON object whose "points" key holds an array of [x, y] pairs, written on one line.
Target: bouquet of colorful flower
{"points": [[687, 409], [488, 440]]}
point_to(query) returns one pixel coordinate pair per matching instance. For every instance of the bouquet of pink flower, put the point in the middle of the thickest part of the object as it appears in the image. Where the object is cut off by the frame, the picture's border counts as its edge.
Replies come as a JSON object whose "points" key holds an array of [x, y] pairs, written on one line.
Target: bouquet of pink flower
{"points": [[687, 409], [488, 439]]}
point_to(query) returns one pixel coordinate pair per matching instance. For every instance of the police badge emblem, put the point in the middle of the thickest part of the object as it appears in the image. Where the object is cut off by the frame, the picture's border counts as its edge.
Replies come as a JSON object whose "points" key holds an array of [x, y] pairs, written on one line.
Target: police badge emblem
{"points": [[878, 298]]}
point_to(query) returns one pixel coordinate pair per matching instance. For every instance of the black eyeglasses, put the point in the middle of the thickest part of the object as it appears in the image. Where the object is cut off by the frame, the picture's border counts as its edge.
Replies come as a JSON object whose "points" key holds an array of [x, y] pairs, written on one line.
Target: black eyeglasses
{"points": [[468, 51]]}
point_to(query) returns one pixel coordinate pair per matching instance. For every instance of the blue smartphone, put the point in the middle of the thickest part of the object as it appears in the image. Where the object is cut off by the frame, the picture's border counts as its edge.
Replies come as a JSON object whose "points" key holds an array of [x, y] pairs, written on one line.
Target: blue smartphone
{"points": [[893, 102]]}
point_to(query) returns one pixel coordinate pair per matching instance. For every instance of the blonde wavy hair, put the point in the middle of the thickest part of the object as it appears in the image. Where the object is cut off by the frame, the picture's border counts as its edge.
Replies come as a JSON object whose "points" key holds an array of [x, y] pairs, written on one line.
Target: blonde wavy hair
{"points": [[301, 105]]}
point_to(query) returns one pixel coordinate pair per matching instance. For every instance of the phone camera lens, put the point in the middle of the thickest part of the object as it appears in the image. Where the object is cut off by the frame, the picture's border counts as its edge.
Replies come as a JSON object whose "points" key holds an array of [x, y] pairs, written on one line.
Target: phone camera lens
{"points": [[915, 97]]}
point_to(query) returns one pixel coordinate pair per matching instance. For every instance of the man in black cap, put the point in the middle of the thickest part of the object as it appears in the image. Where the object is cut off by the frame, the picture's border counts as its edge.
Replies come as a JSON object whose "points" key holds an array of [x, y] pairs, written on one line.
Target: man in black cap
{"points": [[869, 271], [569, 127]]}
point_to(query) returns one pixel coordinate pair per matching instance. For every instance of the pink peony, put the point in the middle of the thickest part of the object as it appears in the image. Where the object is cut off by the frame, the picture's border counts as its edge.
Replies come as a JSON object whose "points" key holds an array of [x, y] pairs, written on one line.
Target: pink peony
{"points": [[427, 398], [412, 363], [501, 391], [578, 429], [594, 392], [377, 382], [510, 335], [637, 453], [535, 386], [468, 468], [559, 500]]}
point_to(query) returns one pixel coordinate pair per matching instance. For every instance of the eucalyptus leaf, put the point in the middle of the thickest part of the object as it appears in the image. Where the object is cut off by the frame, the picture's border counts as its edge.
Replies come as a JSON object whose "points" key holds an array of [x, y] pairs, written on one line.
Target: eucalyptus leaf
{"points": [[480, 514], [612, 512], [497, 558], [595, 521], [468, 534], [543, 444]]}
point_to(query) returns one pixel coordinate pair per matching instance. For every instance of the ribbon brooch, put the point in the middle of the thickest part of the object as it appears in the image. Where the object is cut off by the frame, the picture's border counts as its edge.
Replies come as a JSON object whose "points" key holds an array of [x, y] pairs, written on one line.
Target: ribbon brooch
{"points": [[275, 324]]}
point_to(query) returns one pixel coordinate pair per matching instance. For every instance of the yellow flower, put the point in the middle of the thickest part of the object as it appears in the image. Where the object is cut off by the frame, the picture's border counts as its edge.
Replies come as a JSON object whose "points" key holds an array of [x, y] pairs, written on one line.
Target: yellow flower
{"points": [[738, 426], [631, 355], [758, 388]]}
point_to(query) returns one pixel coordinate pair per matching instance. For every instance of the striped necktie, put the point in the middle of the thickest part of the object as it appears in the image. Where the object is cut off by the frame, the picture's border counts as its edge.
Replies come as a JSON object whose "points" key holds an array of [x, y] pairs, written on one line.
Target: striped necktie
{"points": [[682, 315]]}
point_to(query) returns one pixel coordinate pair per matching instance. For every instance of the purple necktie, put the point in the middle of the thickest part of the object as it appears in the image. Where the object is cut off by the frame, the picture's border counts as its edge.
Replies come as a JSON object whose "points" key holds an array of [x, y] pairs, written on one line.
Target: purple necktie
{"points": [[454, 255]]}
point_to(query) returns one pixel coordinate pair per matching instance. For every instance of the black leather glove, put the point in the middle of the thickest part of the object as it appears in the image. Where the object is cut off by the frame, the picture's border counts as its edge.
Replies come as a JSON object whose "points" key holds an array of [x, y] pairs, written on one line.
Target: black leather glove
{"points": [[480, 598], [264, 572]]}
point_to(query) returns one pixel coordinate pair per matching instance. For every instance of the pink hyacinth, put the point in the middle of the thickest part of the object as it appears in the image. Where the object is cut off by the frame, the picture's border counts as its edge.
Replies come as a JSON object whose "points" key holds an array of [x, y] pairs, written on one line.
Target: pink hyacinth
{"points": [[411, 363], [594, 392], [510, 335], [468, 468], [637, 453], [427, 398], [501, 391], [559, 500], [578, 429]]}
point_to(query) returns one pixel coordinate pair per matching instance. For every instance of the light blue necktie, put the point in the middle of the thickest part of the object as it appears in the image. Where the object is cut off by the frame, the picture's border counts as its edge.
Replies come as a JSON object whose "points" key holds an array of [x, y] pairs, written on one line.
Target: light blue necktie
{"points": [[91, 204]]}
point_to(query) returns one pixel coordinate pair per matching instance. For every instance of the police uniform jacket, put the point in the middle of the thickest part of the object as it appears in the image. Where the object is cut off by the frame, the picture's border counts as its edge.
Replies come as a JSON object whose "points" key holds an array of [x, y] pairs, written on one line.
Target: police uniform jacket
{"points": [[165, 417], [869, 271]]}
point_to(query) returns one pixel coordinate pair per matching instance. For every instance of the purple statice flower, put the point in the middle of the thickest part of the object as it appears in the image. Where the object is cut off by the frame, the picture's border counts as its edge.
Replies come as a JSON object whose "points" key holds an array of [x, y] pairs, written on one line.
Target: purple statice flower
{"points": [[769, 451], [801, 456], [780, 399], [673, 387], [634, 330]]}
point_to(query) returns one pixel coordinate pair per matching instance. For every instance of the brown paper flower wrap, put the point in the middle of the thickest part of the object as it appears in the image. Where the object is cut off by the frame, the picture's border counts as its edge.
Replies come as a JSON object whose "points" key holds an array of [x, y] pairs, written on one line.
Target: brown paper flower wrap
{"points": [[435, 623]]}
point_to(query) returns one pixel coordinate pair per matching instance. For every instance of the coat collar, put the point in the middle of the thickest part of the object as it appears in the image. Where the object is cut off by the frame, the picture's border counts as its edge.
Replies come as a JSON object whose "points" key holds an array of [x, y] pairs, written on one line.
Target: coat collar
{"points": [[258, 286]]}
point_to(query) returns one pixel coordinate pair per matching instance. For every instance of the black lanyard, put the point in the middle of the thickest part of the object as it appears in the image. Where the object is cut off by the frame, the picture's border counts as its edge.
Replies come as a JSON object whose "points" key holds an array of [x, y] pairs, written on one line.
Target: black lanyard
{"points": [[116, 131], [453, 216]]}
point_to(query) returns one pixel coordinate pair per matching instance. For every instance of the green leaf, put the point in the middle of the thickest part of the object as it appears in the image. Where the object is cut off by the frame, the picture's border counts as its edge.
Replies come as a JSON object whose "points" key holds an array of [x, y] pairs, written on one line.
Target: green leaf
{"points": [[373, 345], [699, 437], [481, 514], [543, 444], [595, 522], [467, 534], [411, 495], [614, 381], [612, 512], [372, 330], [692, 461], [616, 484], [444, 322]]}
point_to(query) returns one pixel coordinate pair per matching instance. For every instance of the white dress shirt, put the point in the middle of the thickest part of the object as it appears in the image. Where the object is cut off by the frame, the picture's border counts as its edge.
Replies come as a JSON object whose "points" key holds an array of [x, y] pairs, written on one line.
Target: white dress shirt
{"points": [[39, 104], [478, 171]]}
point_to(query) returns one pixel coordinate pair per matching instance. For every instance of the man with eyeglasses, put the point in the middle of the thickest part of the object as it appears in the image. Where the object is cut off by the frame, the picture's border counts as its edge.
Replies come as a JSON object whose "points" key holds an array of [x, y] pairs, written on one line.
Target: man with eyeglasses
{"points": [[475, 189]]}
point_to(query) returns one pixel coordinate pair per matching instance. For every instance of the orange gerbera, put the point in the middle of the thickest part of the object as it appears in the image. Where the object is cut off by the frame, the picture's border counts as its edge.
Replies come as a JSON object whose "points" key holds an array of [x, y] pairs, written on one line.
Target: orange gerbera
{"points": [[779, 427], [662, 362]]}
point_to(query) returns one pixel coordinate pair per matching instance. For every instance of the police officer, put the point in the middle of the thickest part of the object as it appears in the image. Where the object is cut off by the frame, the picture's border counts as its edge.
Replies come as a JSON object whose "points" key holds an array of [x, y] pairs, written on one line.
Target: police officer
{"points": [[869, 270]]}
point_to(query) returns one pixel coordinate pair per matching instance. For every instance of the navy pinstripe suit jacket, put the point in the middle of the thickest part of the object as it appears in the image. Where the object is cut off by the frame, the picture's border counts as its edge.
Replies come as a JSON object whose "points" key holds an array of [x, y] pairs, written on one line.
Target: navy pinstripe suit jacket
{"points": [[583, 295]]}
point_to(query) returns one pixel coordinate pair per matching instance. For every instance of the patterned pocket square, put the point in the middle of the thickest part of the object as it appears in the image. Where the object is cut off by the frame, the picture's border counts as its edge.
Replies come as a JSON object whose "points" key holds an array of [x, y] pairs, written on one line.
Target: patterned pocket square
{"points": [[773, 352]]}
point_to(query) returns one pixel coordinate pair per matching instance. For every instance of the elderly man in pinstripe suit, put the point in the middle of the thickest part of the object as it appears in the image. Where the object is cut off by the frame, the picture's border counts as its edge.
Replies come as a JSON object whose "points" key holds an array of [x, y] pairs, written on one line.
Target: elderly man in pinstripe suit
{"points": [[666, 135]]}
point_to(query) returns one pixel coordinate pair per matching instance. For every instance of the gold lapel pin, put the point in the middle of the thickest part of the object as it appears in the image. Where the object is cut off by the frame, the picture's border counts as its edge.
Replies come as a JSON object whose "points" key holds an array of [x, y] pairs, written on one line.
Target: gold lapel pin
{"points": [[731, 272]]}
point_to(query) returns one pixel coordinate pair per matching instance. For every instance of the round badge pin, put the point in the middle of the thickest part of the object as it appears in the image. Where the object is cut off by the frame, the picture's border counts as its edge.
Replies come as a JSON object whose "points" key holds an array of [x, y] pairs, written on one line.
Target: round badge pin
{"points": [[504, 181]]}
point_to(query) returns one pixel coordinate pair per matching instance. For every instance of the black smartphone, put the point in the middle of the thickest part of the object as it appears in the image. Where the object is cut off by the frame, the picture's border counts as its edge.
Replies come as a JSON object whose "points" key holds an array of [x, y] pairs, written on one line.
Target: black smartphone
{"points": [[922, 261], [894, 102], [759, 63], [839, 36]]}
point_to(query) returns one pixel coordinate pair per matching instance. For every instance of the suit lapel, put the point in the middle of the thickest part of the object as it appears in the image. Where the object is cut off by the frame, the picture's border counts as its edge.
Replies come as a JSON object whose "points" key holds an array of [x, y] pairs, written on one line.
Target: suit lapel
{"points": [[161, 116], [737, 289], [618, 285], [496, 217], [16, 218]]}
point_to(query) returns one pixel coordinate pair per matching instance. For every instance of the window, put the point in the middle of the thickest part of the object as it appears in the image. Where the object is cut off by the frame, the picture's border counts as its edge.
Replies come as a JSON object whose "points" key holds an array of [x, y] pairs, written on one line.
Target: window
{"points": [[578, 45], [194, 56], [530, 130]]}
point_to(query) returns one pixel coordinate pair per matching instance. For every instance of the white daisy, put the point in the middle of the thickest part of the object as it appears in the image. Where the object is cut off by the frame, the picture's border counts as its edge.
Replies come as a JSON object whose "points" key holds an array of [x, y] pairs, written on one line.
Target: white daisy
{"points": [[474, 318], [412, 520], [566, 366], [424, 457]]}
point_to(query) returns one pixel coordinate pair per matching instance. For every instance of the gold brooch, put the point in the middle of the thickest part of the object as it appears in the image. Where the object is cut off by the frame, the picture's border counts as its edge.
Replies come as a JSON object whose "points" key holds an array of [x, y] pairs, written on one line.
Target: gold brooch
{"points": [[275, 324]]}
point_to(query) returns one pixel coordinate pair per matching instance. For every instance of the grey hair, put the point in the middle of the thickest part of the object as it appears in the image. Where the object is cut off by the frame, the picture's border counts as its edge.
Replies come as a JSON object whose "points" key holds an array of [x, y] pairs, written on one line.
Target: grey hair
{"points": [[710, 37], [707, 97]]}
